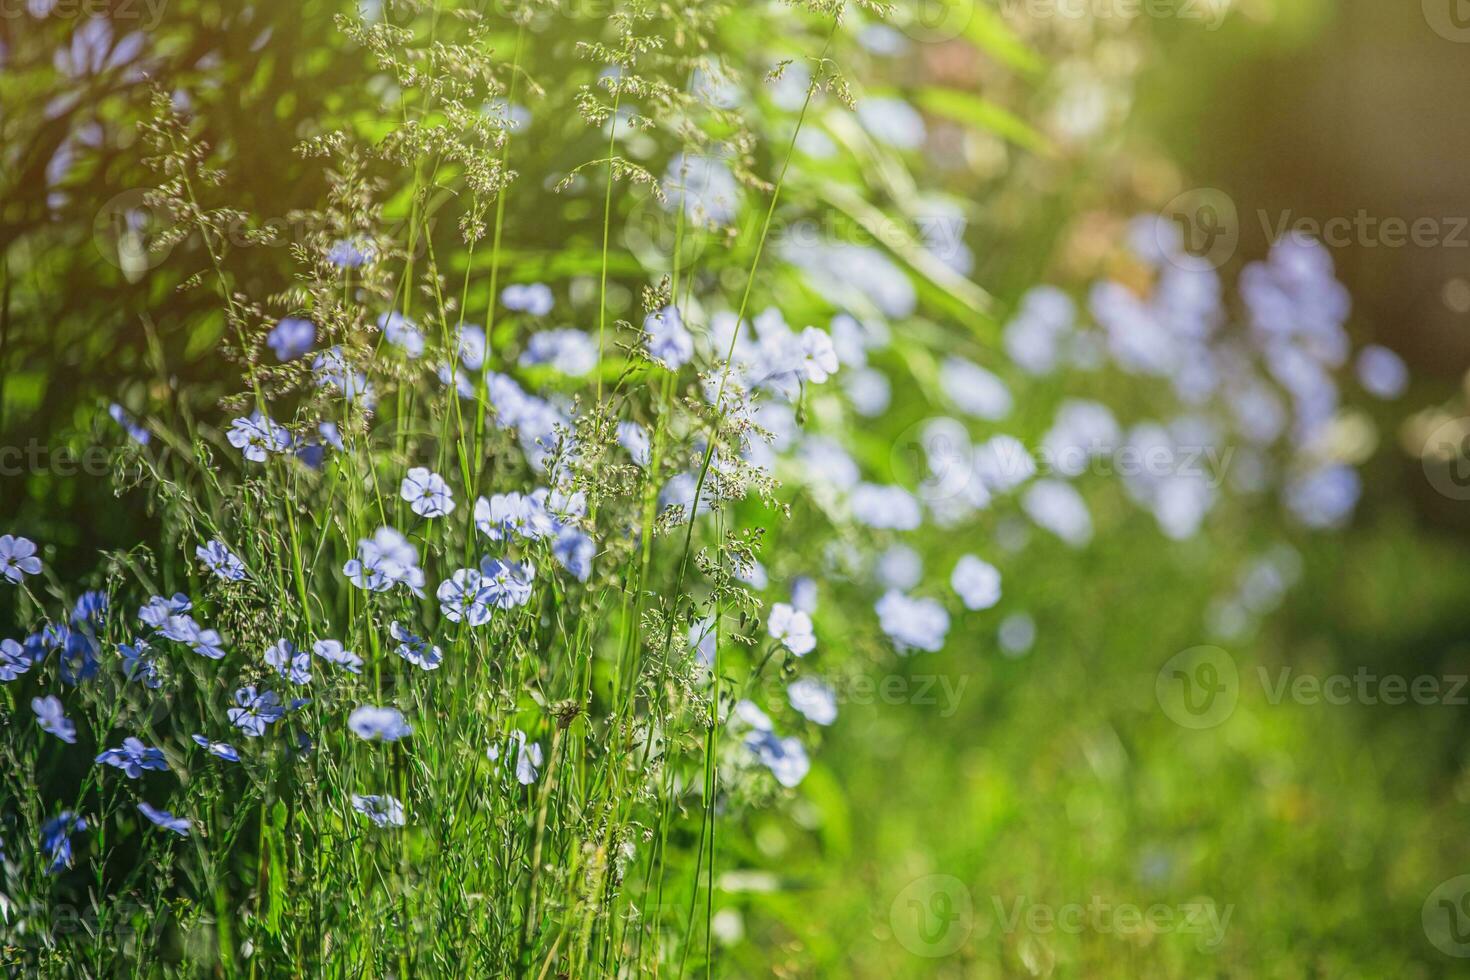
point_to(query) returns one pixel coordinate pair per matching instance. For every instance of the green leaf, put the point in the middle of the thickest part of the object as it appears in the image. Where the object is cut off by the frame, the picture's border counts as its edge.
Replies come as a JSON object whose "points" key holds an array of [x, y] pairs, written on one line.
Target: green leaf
{"points": [[992, 35], [982, 114]]}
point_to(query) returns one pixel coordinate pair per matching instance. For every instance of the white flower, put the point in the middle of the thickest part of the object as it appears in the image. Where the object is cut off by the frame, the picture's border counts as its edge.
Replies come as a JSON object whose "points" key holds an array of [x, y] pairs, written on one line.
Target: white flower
{"points": [[819, 356], [976, 582], [792, 628]]}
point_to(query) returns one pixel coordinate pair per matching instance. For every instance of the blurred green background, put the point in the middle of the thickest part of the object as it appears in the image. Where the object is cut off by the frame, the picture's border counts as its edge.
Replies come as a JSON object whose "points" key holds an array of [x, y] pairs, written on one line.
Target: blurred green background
{"points": [[1295, 839]]}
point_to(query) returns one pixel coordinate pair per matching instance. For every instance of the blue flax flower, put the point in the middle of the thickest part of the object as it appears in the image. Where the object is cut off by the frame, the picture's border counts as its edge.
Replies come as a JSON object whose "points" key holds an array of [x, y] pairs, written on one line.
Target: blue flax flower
{"points": [[133, 757]]}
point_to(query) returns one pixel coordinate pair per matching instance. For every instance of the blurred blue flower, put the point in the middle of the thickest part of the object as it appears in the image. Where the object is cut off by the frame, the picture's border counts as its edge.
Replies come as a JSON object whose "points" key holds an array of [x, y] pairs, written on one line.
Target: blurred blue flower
{"points": [[90, 608], [164, 819], [571, 352], [415, 649], [291, 338], [533, 298], [885, 507], [575, 550], [56, 839], [332, 651], [667, 339], [785, 757], [135, 432], [976, 582], [816, 701], [52, 719], [634, 438], [220, 750], [383, 811], [378, 724], [402, 333], [528, 756], [1381, 372], [350, 253], [912, 624], [791, 628]]}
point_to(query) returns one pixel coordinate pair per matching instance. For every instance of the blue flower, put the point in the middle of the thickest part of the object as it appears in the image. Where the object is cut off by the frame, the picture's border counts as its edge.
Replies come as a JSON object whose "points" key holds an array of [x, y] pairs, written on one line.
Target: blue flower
{"points": [[508, 582], [14, 660], [464, 597], [52, 719], [221, 561], [135, 431], [892, 121], [220, 750], [157, 611], [291, 338], [402, 333], [333, 652], [350, 253], [56, 839], [427, 493], [378, 724], [254, 711], [79, 654], [815, 700], [383, 811], [513, 515], [91, 607], [331, 370], [313, 451], [666, 338], [164, 819], [137, 666], [133, 757], [472, 346], [182, 628], [634, 438], [785, 757], [528, 757], [257, 437], [570, 352], [1381, 372], [415, 649], [884, 507], [290, 663], [385, 560], [575, 550], [533, 298], [18, 558], [1016, 635], [918, 624]]}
